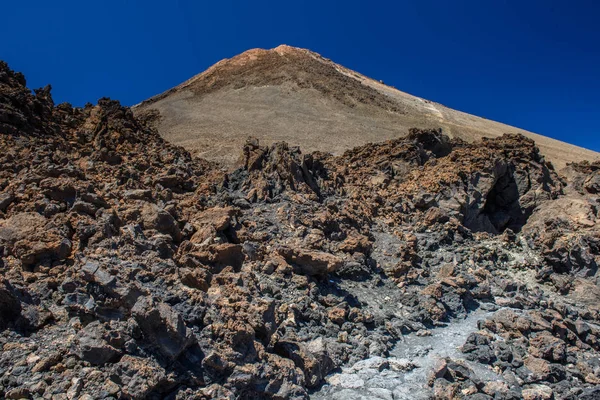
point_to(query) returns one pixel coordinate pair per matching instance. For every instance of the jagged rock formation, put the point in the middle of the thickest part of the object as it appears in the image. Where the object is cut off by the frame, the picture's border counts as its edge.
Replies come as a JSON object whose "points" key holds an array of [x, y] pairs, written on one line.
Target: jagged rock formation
{"points": [[132, 270], [297, 96]]}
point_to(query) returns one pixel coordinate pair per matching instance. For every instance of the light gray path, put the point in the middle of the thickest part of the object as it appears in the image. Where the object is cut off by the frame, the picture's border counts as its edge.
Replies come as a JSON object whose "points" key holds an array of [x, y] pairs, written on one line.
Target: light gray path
{"points": [[404, 374]]}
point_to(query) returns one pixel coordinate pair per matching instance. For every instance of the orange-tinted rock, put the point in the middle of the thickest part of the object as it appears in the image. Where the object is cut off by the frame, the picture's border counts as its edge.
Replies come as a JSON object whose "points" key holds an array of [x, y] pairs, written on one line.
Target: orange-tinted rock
{"points": [[311, 262], [32, 238]]}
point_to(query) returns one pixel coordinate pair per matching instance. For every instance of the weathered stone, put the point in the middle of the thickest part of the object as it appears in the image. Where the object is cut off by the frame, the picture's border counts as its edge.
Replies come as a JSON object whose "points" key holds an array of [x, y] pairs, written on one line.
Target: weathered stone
{"points": [[93, 348], [158, 219], [311, 262], [219, 256], [18, 393], [494, 387], [31, 238], [540, 368], [162, 327], [313, 359], [439, 370], [538, 392], [5, 200], [546, 346], [138, 376], [197, 278]]}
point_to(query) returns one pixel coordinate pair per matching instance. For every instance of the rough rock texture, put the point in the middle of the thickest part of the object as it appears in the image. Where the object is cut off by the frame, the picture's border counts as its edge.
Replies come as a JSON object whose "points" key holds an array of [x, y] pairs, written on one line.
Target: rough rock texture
{"points": [[132, 270]]}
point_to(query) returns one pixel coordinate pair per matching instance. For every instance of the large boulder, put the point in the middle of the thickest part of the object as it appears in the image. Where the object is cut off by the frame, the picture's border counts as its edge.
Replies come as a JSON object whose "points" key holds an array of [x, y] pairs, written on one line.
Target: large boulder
{"points": [[156, 218], [308, 262], [216, 256], [162, 326], [273, 170], [548, 347], [566, 230], [312, 358], [138, 376], [31, 238], [93, 348]]}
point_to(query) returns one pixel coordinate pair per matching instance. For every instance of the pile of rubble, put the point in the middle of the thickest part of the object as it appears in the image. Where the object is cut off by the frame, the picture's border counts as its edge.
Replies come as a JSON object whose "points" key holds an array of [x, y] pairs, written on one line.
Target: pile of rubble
{"points": [[131, 270]]}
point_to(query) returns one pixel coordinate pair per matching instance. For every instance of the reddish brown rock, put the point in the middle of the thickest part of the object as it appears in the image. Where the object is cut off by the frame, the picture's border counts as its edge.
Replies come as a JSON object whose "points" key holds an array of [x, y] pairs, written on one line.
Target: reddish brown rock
{"points": [[32, 238], [548, 347], [311, 262]]}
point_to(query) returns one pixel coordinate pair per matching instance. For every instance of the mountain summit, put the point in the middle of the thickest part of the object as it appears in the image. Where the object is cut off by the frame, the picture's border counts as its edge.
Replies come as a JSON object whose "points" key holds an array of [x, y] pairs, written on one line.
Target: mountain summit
{"points": [[295, 95]]}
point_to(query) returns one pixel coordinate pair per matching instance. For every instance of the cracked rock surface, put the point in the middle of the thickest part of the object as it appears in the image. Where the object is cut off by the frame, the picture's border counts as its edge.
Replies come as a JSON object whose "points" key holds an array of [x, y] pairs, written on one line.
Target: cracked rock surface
{"points": [[421, 266]]}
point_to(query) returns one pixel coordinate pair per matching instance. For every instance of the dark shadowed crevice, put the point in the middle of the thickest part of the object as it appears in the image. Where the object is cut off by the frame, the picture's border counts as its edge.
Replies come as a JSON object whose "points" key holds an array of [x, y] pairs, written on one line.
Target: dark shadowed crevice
{"points": [[432, 140], [502, 206]]}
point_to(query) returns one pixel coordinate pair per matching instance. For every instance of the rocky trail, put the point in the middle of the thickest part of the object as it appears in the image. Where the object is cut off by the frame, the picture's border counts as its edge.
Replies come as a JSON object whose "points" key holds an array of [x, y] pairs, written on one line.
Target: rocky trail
{"points": [[405, 372], [423, 266]]}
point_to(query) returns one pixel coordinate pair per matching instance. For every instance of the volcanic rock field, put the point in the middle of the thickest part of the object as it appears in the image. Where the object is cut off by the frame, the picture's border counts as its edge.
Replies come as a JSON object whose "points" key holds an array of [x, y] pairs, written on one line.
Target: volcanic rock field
{"points": [[414, 268]]}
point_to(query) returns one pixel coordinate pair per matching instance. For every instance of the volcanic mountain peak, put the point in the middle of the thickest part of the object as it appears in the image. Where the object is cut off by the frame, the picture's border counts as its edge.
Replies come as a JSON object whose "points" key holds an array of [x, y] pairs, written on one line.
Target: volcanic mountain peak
{"points": [[288, 66], [421, 267], [296, 95]]}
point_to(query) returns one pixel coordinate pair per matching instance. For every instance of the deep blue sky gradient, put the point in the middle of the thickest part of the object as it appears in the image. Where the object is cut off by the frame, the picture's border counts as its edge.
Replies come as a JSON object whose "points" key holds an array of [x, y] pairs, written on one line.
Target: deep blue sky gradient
{"points": [[531, 64]]}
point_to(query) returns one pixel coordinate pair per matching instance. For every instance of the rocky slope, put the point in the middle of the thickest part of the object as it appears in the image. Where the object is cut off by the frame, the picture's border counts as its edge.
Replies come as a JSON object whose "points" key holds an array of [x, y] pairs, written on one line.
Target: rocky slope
{"points": [[295, 95], [130, 269]]}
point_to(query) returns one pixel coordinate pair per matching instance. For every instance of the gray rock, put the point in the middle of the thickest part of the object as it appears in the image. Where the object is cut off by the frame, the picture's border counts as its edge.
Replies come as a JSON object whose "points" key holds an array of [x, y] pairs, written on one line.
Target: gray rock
{"points": [[5, 200], [162, 327], [93, 348], [138, 376]]}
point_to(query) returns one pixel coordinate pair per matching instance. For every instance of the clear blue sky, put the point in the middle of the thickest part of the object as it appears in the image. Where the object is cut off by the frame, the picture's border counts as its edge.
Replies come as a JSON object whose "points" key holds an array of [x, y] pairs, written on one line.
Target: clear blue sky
{"points": [[532, 64]]}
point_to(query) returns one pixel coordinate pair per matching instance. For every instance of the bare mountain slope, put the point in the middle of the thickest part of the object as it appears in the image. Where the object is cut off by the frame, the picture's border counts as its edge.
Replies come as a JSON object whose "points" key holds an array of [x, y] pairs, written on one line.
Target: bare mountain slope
{"points": [[295, 95]]}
